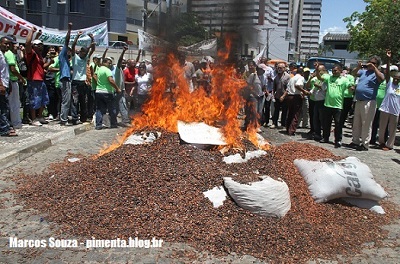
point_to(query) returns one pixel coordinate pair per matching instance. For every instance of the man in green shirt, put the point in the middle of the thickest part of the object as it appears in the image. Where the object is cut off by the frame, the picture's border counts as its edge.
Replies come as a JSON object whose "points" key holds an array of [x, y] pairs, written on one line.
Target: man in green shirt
{"points": [[106, 87], [15, 77], [336, 86]]}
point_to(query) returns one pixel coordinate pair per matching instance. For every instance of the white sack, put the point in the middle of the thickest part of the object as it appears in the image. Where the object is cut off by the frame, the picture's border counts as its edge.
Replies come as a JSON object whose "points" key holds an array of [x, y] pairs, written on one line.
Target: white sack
{"points": [[237, 158], [365, 204], [267, 197], [200, 133], [349, 177], [216, 195]]}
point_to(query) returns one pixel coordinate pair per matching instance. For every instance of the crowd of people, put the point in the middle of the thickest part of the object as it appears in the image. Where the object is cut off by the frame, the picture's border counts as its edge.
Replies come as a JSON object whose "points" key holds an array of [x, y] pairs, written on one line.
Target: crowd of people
{"points": [[366, 97], [77, 86]]}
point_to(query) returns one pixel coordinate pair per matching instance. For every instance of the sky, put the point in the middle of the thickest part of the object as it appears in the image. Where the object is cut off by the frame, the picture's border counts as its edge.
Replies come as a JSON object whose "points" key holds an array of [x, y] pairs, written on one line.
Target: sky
{"points": [[333, 12]]}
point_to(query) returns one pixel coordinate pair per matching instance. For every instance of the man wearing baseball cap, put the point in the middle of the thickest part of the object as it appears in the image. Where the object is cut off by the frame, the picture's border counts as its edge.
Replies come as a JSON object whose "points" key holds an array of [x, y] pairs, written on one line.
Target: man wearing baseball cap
{"points": [[37, 91]]}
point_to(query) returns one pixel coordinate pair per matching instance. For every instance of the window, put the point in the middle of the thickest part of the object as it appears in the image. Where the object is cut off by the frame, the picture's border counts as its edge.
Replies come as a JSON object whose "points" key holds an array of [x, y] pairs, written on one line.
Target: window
{"points": [[34, 6], [76, 6], [102, 3], [48, 3], [7, 3]]}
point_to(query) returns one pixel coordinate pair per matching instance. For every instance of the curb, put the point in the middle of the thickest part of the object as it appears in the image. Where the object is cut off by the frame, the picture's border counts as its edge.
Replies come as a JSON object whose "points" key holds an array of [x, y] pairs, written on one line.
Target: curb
{"points": [[18, 154]]}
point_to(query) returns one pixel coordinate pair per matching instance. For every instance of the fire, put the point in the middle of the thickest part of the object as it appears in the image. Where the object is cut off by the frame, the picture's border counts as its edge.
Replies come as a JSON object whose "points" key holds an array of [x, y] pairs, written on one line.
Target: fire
{"points": [[171, 100]]}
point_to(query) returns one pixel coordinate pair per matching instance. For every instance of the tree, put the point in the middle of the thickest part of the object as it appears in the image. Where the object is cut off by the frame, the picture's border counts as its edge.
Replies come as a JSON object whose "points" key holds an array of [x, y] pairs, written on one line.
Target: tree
{"points": [[323, 49], [376, 29], [186, 30]]}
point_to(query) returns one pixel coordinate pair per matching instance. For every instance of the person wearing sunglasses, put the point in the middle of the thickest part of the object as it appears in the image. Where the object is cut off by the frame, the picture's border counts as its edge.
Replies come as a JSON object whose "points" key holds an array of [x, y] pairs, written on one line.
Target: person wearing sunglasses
{"points": [[390, 108], [365, 106]]}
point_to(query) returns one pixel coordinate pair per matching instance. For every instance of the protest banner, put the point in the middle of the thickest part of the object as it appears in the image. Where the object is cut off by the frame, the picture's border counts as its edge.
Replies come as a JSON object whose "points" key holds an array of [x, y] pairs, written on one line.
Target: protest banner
{"points": [[11, 24]]}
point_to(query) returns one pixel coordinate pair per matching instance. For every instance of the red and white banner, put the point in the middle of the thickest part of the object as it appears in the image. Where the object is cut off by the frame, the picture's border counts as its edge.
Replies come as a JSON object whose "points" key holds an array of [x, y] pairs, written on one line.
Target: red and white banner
{"points": [[10, 24], [152, 43]]}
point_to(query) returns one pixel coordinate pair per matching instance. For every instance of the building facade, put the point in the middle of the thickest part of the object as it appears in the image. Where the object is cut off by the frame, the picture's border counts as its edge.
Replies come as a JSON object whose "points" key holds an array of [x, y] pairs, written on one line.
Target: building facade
{"points": [[303, 17], [288, 28]]}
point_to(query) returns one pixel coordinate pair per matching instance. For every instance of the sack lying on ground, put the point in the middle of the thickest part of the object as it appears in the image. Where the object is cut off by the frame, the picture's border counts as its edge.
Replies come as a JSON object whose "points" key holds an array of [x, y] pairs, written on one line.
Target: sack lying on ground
{"points": [[349, 177], [267, 197], [365, 204]]}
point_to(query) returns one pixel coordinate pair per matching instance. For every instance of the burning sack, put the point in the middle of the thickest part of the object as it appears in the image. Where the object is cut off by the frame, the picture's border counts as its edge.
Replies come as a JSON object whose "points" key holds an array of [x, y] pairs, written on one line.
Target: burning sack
{"points": [[200, 134], [349, 177], [267, 197]]}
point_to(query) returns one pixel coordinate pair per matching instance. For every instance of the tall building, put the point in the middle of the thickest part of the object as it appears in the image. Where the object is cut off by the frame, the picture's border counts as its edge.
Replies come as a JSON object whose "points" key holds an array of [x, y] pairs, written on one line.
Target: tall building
{"points": [[256, 22], [303, 17], [229, 15]]}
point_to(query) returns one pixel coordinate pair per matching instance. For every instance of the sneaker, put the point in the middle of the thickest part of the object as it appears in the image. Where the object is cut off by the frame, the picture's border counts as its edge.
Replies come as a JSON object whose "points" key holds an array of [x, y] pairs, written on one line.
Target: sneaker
{"points": [[50, 118], [77, 122], [36, 123], [42, 120], [26, 121], [64, 123], [338, 144], [353, 145], [362, 148], [317, 138], [272, 126], [324, 141]]}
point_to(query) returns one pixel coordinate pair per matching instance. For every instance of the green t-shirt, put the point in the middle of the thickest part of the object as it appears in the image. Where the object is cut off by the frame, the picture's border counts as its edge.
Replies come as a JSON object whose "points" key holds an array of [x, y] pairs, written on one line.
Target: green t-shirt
{"points": [[103, 84], [348, 93], [312, 82], [56, 64], [381, 94], [336, 87], [93, 66], [11, 61]]}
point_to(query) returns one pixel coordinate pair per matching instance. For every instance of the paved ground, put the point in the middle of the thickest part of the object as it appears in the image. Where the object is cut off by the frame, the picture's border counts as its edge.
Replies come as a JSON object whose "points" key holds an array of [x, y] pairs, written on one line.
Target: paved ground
{"points": [[52, 143]]}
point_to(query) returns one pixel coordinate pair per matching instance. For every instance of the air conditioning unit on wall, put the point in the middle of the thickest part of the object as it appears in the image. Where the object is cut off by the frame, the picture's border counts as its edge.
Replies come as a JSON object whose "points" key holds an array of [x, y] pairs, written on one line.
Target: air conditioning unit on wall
{"points": [[19, 2]]}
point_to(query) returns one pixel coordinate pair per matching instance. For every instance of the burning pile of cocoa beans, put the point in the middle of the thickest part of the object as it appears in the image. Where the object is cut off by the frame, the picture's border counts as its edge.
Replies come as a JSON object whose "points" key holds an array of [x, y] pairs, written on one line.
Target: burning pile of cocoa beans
{"points": [[156, 190]]}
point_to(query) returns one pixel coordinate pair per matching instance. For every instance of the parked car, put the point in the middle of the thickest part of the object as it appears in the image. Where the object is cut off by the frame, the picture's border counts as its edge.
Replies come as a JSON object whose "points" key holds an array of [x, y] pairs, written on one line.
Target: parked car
{"points": [[117, 44]]}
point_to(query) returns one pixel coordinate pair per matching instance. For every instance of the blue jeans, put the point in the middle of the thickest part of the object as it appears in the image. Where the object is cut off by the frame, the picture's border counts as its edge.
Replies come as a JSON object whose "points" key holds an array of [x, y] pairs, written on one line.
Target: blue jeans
{"points": [[104, 102], [4, 112], [67, 103], [122, 107]]}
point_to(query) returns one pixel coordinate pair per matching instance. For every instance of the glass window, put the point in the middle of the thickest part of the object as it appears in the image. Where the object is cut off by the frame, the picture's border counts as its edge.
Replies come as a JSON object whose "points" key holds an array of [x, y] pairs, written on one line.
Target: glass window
{"points": [[34, 6], [102, 3], [76, 6]]}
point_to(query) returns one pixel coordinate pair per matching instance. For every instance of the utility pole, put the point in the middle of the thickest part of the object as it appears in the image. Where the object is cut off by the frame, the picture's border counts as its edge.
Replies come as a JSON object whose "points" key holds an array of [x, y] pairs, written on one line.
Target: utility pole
{"points": [[222, 21], [267, 49], [144, 22]]}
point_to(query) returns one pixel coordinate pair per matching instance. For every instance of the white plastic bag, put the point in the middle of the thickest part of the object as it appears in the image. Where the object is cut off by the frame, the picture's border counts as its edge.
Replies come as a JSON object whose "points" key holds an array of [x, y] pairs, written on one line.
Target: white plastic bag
{"points": [[349, 177], [267, 197]]}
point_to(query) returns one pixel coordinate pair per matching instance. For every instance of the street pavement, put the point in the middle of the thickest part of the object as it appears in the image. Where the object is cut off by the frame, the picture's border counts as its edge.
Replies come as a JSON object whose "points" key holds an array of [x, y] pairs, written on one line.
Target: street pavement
{"points": [[33, 139]]}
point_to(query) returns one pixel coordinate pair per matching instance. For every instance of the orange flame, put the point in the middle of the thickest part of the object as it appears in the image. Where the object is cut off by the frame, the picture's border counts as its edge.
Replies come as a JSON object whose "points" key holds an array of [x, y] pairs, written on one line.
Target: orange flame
{"points": [[170, 101]]}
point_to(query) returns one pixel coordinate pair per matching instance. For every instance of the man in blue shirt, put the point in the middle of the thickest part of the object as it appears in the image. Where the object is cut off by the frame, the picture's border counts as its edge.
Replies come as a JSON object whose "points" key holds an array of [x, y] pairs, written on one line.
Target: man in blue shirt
{"points": [[365, 106]]}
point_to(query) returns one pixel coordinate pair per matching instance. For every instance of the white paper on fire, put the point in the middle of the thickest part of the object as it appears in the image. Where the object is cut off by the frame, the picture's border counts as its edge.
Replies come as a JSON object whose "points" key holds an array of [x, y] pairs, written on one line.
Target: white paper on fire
{"points": [[200, 133], [142, 138], [268, 197], [349, 177]]}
